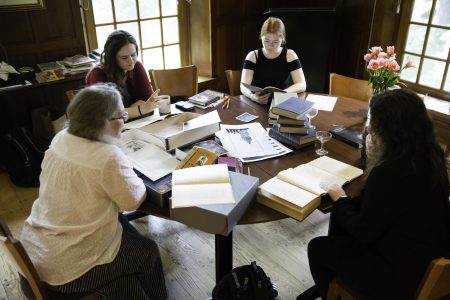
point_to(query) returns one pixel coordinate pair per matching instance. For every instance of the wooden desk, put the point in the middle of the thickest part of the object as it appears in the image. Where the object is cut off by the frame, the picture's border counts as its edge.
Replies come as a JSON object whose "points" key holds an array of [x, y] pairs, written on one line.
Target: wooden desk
{"points": [[347, 111]]}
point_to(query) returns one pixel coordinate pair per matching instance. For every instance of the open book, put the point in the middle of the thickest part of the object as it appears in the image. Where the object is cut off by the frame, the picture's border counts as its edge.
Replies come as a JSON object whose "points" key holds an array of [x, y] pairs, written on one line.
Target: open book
{"points": [[296, 191], [266, 90], [202, 185]]}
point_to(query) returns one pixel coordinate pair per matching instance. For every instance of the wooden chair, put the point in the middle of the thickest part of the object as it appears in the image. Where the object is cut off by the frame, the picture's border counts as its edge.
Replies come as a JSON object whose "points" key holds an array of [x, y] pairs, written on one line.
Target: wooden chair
{"points": [[435, 284], [181, 82], [32, 286], [349, 87], [234, 81]]}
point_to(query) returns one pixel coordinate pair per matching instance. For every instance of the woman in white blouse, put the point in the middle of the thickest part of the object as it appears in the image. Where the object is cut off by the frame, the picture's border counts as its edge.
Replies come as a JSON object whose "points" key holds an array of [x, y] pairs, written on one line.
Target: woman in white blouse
{"points": [[75, 234]]}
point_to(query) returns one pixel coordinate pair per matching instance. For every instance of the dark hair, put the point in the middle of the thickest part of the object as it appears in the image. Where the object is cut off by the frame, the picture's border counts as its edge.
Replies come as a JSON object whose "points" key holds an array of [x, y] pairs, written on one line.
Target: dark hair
{"points": [[89, 112], [399, 119], [116, 40]]}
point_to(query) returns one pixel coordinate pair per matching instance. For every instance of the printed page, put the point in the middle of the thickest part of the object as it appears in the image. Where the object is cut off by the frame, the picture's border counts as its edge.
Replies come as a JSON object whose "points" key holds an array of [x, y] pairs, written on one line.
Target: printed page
{"points": [[201, 194], [325, 103], [308, 177], [288, 192], [337, 167]]}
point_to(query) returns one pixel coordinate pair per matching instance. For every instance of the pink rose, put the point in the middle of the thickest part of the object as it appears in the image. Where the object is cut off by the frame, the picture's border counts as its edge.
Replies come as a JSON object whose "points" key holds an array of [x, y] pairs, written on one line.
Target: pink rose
{"points": [[409, 64], [392, 65], [375, 50], [382, 55], [368, 57], [373, 64], [390, 50], [381, 62]]}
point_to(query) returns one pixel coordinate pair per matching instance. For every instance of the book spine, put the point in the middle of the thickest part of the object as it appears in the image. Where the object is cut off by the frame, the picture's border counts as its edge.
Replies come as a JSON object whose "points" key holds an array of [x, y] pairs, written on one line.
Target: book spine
{"points": [[283, 138]]}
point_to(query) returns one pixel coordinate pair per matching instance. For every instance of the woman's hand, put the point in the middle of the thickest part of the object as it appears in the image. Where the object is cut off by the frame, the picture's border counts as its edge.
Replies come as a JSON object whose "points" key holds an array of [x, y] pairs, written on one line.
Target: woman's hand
{"points": [[333, 189], [146, 107], [261, 99]]}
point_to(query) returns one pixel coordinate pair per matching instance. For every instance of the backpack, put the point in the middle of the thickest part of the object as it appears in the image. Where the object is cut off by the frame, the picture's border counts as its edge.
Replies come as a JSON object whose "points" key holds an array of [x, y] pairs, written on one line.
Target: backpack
{"points": [[248, 282], [22, 156]]}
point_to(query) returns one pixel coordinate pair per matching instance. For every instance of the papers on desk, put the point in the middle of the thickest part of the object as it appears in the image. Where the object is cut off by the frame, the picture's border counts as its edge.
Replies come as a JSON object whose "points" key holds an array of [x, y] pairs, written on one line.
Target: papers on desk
{"points": [[322, 102], [250, 142], [146, 157]]}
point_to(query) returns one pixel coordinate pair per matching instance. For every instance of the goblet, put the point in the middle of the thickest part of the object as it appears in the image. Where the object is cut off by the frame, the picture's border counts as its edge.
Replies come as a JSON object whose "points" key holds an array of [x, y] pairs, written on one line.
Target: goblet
{"points": [[322, 136], [311, 114]]}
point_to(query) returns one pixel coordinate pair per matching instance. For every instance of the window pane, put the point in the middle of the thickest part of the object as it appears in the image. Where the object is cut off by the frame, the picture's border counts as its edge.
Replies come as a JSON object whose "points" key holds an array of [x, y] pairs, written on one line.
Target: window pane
{"points": [[169, 7], [131, 28], [170, 30], [102, 34], [149, 8], [153, 58], [432, 73], [102, 11], [438, 42], [416, 37], [421, 11], [151, 33], [441, 16], [125, 10], [447, 81], [411, 73], [172, 56]]}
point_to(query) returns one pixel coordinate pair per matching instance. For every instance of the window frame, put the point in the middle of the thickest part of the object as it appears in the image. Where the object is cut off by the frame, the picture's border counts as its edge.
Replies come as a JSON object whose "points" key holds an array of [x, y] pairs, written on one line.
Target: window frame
{"points": [[405, 21], [183, 29]]}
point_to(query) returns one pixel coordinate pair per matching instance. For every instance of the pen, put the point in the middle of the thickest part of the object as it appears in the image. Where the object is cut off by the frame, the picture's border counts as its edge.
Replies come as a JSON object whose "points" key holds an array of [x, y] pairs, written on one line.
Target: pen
{"points": [[225, 102], [228, 103], [248, 171]]}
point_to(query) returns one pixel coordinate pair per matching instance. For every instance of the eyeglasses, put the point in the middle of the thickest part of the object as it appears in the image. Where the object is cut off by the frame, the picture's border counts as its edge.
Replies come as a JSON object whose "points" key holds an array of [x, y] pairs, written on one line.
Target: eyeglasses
{"points": [[124, 117]]}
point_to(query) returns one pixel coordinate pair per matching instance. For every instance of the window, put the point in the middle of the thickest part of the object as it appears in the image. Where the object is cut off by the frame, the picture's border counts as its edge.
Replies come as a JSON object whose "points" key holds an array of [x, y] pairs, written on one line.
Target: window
{"points": [[427, 43], [155, 24]]}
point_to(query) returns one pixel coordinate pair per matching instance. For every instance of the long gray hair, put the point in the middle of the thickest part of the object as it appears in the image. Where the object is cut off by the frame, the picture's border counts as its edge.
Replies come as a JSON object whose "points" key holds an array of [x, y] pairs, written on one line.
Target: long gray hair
{"points": [[89, 112]]}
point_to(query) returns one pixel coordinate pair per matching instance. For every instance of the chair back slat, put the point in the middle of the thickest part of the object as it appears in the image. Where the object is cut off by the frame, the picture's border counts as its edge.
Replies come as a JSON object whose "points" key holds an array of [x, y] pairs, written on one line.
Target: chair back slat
{"points": [[349, 87], [234, 81], [436, 282], [175, 82]]}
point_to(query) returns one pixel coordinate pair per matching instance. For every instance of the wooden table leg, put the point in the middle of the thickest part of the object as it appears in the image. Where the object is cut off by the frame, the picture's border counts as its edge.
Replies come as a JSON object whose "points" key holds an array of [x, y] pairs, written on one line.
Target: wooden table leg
{"points": [[224, 255]]}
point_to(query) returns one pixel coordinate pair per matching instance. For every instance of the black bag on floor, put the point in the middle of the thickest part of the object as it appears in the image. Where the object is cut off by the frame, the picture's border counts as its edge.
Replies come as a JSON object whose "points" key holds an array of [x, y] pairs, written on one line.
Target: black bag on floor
{"points": [[248, 282], [22, 157]]}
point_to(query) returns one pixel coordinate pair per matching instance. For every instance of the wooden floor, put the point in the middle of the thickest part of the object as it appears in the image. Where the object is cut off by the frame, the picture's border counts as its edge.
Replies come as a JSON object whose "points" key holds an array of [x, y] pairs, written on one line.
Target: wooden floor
{"points": [[188, 254]]}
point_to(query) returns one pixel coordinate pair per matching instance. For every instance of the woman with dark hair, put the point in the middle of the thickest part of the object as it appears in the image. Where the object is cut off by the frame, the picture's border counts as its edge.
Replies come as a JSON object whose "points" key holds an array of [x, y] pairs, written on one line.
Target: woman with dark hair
{"points": [[75, 235], [272, 65], [119, 65], [382, 241]]}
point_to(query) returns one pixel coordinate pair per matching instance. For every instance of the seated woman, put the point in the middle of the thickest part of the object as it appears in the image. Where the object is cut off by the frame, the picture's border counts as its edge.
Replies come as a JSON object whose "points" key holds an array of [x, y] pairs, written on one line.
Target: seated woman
{"points": [[382, 241], [75, 235], [272, 65], [119, 65]]}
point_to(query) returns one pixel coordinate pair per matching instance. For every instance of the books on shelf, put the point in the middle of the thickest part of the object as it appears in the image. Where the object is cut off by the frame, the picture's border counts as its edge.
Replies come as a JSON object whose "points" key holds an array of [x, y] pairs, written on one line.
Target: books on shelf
{"points": [[293, 108], [202, 185], [49, 75], [197, 157], [52, 65], [296, 192], [77, 60], [293, 129], [293, 140], [265, 90], [206, 97], [348, 135]]}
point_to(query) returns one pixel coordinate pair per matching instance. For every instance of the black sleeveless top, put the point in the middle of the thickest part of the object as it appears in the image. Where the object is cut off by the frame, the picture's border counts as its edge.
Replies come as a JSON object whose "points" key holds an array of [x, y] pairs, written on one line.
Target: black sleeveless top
{"points": [[272, 72]]}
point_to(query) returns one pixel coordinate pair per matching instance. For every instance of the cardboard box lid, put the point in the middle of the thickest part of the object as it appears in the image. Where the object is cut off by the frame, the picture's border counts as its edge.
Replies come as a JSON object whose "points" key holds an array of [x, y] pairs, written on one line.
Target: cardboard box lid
{"points": [[220, 219]]}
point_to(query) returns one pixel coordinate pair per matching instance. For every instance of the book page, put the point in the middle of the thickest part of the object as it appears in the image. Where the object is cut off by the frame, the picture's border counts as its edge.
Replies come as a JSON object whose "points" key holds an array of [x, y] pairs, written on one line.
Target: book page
{"points": [[309, 177], [337, 167], [201, 194], [208, 174], [288, 192]]}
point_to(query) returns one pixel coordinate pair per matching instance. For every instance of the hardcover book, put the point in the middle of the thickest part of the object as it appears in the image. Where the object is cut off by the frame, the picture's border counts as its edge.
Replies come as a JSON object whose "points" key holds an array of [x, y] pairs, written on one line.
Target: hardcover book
{"points": [[348, 135], [197, 157], [293, 140], [289, 121], [293, 129], [293, 108], [277, 99], [297, 192], [266, 90], [206, 97]]}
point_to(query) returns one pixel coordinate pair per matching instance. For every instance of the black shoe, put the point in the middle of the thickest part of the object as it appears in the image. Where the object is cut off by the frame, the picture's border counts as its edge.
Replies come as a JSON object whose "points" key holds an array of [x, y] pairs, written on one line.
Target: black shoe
{"points": [[309, 294]]}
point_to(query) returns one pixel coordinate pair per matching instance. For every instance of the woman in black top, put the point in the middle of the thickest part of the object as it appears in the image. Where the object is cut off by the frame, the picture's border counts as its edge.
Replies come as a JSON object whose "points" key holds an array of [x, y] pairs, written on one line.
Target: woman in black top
{"points": [[272, 65], [382, 241]]}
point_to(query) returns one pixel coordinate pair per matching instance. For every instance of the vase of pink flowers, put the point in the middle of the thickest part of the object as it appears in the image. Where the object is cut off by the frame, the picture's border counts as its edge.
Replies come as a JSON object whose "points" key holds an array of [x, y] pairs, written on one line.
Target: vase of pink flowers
{"points": [[384, 71]]}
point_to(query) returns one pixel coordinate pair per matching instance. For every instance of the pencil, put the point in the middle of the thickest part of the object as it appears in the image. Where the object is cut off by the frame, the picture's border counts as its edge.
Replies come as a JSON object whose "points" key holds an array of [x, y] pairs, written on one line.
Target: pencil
{"points": [[228, 103], [248, 171]]}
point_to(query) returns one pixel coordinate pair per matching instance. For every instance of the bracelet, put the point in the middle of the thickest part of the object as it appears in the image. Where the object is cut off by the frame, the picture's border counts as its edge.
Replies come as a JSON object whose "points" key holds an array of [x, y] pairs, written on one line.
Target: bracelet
{"points": [[140, 112]]}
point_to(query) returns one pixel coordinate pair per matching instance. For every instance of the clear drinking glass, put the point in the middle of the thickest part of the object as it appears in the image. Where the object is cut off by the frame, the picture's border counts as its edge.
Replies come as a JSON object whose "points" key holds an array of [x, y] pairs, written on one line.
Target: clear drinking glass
{"points": [[322, 136], [311, 114]]}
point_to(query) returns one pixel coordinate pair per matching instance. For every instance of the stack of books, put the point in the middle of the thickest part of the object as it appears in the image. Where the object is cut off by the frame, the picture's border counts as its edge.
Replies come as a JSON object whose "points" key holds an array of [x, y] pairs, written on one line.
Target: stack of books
{"points": [[77, 64], [206, 98], [289, 125], [50, 71]]}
